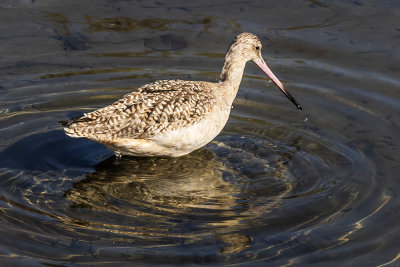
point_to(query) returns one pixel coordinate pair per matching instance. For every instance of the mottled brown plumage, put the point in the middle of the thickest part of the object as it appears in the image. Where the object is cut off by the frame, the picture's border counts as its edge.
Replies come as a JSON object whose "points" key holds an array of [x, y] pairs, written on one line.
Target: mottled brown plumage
{"points": [[154, 108], [172, 117]]}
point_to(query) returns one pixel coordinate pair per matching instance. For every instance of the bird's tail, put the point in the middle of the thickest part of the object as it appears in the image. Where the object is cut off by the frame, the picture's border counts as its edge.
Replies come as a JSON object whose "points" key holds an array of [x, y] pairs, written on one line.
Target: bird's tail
{"points": [[66, 123], [70, 126]]}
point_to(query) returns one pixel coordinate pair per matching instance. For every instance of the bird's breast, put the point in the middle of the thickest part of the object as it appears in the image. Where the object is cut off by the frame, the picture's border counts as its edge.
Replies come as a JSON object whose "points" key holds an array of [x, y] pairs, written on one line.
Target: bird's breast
{"points": [[191, 137]]}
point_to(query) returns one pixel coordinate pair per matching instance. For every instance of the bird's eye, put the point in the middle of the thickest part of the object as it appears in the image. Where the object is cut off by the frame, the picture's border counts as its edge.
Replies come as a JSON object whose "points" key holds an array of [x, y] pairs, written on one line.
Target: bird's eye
{"points": [[257, 48]]}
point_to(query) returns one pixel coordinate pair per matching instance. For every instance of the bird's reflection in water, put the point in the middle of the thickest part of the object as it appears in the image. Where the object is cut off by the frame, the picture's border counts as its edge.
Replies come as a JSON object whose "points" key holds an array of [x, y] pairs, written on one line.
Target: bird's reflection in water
{"points": [[165, 184], [191, 197]]}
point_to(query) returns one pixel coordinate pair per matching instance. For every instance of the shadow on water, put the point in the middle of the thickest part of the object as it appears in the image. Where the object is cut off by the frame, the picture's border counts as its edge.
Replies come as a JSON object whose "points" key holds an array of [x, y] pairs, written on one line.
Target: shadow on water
{"points": [[51, 150]]}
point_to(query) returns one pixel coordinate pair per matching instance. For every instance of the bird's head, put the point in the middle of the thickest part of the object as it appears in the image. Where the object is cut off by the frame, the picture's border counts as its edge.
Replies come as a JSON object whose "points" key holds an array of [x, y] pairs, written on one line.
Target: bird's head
{"points": [[248, 47]]}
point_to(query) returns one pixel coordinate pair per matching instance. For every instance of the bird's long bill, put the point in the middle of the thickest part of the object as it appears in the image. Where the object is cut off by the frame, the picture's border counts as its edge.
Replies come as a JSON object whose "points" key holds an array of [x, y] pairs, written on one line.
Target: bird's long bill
{"points": [[262, 65]]}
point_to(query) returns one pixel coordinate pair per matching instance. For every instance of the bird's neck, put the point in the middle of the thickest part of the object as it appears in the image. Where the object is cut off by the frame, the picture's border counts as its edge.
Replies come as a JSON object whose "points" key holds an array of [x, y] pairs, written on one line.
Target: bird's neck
{"points": [[232, 72]]}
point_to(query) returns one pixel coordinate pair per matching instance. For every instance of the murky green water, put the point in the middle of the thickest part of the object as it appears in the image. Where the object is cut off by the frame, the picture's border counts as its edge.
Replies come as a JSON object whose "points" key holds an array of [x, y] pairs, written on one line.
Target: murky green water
{"points": [[276, 187]]}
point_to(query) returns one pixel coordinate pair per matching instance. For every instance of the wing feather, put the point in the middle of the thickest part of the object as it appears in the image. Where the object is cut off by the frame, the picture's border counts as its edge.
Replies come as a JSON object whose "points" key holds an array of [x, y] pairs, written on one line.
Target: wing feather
{"points": [[153, 108]]}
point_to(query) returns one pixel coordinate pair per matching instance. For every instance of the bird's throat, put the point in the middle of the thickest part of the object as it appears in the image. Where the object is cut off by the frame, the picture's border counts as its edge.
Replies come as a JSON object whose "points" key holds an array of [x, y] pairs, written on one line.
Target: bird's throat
{"points": [[232, 73]]}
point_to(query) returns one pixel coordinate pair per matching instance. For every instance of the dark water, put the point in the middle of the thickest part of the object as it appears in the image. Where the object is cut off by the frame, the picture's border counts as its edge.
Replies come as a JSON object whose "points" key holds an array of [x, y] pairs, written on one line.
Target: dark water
{"points": [[277, 187]]}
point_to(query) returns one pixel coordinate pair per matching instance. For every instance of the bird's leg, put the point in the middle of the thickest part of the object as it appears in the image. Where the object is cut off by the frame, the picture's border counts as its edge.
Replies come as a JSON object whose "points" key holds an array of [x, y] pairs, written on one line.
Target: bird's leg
{"points": [[118, 154]]}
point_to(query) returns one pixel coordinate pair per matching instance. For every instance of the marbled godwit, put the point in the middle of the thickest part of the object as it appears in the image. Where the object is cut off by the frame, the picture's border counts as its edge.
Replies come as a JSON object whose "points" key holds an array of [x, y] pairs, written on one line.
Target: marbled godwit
{"points": [[173, 117]]}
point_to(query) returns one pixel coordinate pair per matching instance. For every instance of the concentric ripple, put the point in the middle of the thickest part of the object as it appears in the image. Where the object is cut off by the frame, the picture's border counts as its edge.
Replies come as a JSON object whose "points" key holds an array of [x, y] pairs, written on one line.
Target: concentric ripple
{"points": [[274, 180], [257, 179]]}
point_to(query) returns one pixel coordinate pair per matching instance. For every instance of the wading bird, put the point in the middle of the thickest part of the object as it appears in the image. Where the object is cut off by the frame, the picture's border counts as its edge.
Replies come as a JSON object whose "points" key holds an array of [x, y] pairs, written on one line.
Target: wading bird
{"points": [[173, 117]]}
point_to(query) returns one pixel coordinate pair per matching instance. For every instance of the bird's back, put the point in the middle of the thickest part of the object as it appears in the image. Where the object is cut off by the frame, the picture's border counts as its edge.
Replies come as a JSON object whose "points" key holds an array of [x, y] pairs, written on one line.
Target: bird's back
{"points": [[150, 110]]}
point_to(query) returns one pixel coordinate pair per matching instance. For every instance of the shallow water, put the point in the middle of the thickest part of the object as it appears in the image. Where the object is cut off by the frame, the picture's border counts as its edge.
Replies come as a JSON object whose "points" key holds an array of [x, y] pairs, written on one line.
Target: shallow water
{"points": [[277, 186]]}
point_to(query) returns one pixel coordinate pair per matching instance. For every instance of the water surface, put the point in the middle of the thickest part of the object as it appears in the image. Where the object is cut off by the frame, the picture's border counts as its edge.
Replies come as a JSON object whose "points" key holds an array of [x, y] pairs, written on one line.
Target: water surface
{"points": [[276, 187]]}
